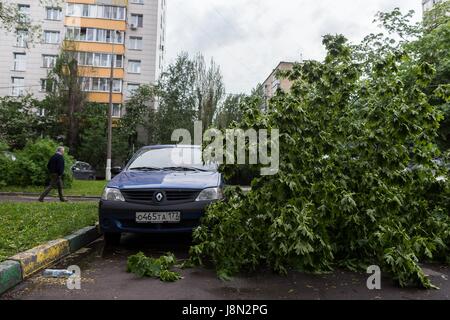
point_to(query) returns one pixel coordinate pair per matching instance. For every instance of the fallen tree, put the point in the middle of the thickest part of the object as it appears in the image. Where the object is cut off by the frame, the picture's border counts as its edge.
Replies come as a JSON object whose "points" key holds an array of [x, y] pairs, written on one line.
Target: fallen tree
{"points": [[357, 184]]}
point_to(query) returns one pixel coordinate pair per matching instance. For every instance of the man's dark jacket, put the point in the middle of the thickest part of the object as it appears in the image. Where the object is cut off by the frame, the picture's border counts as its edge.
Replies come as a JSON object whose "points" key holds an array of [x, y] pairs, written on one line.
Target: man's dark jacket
{"points": [[56, 164]]}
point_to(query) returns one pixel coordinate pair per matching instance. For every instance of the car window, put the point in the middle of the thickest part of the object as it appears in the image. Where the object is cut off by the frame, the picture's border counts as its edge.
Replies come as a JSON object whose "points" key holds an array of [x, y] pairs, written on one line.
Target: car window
{"points": [[171, 157], [84, 166]]}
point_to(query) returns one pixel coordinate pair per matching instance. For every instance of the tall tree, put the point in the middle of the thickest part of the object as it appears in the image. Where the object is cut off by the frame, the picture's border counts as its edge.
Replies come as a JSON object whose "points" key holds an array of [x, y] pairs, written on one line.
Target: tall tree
{"points": [[177, 100], [66, 83], [209, 89], [139, 114], [229, 111]]}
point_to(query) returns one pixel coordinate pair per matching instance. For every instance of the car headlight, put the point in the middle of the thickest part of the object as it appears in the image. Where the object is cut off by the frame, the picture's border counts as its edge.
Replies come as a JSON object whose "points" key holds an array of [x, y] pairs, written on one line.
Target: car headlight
{"points": [[210, 194], [112, 194]]}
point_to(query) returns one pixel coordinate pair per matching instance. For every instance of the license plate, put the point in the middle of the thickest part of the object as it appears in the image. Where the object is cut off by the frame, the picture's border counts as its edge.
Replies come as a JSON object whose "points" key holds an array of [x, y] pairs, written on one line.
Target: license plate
{"points": [[158, 217]]}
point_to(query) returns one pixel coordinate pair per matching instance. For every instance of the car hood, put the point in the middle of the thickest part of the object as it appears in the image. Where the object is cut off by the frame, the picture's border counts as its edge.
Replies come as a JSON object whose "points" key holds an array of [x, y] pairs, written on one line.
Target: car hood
{"points": [[165, 180]]}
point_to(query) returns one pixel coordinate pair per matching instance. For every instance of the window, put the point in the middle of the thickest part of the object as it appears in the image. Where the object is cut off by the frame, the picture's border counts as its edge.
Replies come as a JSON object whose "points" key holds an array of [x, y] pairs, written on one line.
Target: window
{"points": [[19, 62], [89, 59], [105, 60], [95, 84], [134, 66], [48, 61], [100, 84], [83, 32], [93, 35], [117, 110], [53, 13], [107, 12], [117, 85], [276, 84], [18, 86], [121, 13], [99, 59], [137, 20], [24, 10], [103, 84], [51, 37], [96, 11], [101, 35], [119, 61], [47, 85], [137, 1], [22, 38], [90, 34], [131, 88], [85, 83], [135, 43]]}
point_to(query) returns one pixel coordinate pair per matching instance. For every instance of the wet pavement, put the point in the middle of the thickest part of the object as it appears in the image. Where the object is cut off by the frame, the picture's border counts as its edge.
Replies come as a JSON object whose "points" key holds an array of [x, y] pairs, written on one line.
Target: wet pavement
{"points": [[104, 276]]}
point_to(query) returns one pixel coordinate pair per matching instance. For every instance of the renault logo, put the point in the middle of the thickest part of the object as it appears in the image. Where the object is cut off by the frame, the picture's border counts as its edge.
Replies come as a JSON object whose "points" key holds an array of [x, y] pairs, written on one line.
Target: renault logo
{"points": [[159, 197]]}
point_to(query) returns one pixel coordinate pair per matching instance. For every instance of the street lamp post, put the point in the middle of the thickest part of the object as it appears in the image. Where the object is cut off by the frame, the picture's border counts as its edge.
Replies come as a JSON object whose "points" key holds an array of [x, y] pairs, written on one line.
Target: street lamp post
{"points": [[110, 111]]}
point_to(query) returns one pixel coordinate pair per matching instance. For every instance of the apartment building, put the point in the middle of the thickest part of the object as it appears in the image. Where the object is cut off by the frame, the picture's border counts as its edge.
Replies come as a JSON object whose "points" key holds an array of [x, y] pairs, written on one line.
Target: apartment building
{"points": [[128, 33], [272, 83]]}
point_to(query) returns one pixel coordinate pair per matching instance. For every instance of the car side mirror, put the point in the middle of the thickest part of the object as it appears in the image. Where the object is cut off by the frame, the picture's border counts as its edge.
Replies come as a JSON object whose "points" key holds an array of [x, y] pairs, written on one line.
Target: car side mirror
{"points": [[116, 170]]}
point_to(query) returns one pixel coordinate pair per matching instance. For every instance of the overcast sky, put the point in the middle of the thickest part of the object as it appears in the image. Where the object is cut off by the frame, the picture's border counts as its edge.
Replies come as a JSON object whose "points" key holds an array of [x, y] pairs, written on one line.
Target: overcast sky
{"points": [[248, 38]]}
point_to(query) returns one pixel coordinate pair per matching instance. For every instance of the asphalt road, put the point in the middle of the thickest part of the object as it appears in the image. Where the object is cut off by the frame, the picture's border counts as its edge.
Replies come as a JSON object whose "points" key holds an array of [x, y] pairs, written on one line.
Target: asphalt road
{"points": [[104, 276]]}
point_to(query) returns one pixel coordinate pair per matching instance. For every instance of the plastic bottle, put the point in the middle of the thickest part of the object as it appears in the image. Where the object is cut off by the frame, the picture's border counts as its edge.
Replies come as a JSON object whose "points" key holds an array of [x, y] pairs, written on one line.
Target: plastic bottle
{"points": [[53, 273]]}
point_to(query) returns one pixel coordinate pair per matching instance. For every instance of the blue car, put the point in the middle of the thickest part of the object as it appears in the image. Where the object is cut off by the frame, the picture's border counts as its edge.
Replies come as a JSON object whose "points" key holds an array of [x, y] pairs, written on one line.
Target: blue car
{"points": [[163, 189]]}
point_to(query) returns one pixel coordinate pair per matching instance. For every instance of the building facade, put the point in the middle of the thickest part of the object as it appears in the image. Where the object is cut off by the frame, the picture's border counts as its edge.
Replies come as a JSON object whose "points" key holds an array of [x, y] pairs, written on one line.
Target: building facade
{"points": [[130, 34], [272, 83]]}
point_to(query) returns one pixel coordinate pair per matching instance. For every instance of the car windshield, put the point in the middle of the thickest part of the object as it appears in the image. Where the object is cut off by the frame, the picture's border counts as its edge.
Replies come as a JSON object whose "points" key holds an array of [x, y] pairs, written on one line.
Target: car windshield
{"points": [[177, 159]]}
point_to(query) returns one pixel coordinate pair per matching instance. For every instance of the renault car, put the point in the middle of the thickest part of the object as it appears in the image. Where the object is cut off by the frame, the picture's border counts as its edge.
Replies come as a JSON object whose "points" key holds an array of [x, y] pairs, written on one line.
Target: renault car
{"points": [[163, 189]]}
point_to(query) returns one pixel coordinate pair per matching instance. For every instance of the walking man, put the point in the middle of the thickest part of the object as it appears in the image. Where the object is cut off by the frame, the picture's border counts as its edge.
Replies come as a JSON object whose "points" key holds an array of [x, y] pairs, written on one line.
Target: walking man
{"points": [[55, 167]]}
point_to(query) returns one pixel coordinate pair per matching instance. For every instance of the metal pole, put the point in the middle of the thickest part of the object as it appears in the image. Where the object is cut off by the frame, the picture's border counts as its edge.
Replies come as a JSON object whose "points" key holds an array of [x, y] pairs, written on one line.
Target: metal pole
{"points": [[110, 110]]}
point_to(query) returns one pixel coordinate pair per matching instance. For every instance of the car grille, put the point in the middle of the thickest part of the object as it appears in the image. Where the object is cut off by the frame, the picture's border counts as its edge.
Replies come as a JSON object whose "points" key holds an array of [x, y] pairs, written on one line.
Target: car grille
{"points": [[138, 195], [170, 195]]}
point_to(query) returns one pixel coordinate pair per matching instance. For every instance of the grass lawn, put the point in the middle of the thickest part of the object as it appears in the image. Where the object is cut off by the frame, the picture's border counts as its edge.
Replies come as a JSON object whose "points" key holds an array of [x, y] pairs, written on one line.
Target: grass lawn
{"points": [[26, 225], [79, 188]]}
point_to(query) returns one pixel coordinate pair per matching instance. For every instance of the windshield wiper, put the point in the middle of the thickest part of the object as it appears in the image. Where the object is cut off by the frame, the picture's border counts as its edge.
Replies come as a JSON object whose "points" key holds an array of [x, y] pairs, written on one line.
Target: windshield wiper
{"points": [[184, 169], [146, 169]]}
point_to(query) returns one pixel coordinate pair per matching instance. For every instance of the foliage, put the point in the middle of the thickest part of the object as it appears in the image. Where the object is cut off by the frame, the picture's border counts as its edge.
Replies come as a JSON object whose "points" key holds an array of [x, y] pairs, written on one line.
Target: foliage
{"points": [[229, 111], [139, 115], [423, 42], [144, 266], [11, 19], [30, 167], [65, 90], [19, 121], [93, 138], [188, 90], [26, 225], [209, 89], [177, 107], [344, 195]]}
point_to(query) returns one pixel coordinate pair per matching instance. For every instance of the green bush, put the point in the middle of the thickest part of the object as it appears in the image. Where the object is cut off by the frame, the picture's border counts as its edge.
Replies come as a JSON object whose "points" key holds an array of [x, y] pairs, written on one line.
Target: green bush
{"points": [[30, 168], [5, 164]]}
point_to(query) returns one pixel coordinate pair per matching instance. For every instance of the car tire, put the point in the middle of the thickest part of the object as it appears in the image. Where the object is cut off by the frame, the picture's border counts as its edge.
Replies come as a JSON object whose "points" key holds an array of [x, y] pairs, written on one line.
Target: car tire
{"points": [[112, 239]]}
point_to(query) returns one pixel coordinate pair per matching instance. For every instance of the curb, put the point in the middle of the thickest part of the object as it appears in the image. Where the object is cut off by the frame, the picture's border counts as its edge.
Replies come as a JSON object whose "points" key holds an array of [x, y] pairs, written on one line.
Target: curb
{"points": [[25, 264], [10, 275]]}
